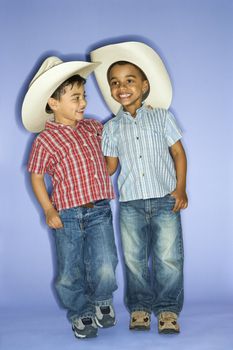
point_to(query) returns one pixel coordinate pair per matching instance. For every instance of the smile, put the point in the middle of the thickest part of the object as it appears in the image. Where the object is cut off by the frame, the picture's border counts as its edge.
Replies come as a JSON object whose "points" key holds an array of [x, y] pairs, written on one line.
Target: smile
{"points": [[124, 95]]}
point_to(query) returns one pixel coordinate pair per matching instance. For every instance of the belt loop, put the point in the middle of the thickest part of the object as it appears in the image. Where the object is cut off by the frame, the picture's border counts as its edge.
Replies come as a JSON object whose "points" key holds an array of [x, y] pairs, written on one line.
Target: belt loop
{"points": [[88, 205]]}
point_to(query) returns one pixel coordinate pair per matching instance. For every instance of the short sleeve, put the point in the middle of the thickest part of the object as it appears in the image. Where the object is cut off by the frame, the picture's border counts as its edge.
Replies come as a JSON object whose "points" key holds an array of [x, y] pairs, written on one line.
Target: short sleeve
{"points": [[39, 159], [109, 147], [172, 130]]}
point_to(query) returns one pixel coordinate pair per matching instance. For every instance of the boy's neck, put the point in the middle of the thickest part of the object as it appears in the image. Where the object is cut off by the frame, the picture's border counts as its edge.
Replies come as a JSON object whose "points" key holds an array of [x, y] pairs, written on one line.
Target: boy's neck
{"points": [[66, 121], [132, 110]]}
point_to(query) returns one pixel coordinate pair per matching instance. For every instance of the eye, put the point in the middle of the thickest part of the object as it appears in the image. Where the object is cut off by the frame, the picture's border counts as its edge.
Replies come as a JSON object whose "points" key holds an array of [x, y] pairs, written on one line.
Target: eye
{"points": [[114, 83], [130, 81], [78, 97]]}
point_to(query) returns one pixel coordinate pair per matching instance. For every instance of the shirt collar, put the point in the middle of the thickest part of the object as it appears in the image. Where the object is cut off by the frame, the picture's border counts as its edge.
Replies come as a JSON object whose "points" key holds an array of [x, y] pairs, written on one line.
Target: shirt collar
{"points": [[122, 113], [53, 125]]}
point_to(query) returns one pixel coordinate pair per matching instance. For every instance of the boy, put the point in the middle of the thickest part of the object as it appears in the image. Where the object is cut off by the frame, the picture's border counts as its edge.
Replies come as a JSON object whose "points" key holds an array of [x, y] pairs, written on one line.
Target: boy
{"points": [[151, 183], [69, 150]]}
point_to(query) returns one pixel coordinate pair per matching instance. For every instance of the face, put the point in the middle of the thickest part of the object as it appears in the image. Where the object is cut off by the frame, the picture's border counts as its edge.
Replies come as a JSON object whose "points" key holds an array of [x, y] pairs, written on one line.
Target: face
{"points": [[127, 86], [70, 108]]}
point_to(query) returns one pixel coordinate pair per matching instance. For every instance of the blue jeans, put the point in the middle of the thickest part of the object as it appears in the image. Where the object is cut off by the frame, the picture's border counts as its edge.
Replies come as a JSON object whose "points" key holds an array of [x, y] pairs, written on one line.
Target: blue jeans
{"points": [[150, 229], [86, 259]]}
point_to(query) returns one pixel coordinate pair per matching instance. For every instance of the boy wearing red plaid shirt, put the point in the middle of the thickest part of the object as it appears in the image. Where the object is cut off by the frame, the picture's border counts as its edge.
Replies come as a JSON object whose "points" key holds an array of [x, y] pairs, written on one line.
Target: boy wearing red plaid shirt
{"points": [[68, 149]]}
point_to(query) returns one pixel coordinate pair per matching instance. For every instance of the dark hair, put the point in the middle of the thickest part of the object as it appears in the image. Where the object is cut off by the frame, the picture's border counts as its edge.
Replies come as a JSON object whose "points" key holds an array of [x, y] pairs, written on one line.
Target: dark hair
{"points": [[75, 79], [122, 63]]}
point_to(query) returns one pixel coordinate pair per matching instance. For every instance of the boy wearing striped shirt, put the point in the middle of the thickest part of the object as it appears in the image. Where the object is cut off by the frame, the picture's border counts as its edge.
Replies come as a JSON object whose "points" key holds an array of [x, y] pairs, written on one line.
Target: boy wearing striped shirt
{"points": [[151, 182], [68, 149]]}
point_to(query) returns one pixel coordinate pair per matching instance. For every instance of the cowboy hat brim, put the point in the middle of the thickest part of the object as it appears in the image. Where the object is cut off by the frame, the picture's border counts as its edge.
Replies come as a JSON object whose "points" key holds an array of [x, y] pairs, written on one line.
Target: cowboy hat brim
{"points": [[143, 56], [34, 115]]}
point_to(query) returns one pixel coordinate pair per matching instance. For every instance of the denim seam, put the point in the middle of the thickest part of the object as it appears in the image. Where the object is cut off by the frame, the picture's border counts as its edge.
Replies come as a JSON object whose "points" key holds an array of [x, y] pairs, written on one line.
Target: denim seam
{"points": [[180, 292]]}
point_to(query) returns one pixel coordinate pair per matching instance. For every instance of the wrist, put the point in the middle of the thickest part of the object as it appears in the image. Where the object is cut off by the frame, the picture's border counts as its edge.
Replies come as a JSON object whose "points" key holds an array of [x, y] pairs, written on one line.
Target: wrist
{"points": [[47, 210], [180, 186]]}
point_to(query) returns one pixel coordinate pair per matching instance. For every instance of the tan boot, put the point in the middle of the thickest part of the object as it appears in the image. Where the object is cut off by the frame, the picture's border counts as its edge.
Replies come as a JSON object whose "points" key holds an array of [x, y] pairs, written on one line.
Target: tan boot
{"points": [[139, 320], [167, 323]]}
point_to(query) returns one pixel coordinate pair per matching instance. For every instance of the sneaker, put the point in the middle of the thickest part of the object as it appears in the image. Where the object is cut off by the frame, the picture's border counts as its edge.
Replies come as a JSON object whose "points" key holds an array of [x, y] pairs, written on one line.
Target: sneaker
{"points": [[167, 323], [105, 316], [140, 321], [85, 328]]}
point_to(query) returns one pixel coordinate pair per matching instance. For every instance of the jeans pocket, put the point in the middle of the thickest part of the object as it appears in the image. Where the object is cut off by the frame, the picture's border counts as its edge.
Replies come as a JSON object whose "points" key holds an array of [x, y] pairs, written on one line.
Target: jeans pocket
{"points": [[167, 203], [170, 197]]}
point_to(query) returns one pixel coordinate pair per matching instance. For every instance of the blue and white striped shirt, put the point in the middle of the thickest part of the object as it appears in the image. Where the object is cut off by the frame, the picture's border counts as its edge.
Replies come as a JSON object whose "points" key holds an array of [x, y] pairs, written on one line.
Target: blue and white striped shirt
{"points": [[142, 146]]}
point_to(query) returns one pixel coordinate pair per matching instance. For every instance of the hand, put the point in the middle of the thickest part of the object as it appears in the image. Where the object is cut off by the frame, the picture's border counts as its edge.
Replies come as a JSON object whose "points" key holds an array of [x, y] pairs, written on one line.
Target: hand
{"points": [[181, 200], [53, 219]]}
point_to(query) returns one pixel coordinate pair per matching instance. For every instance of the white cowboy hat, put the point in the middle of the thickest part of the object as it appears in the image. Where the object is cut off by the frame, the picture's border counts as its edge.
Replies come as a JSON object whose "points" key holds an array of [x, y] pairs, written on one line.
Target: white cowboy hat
{"points": [[52, 73], [143, 56]]}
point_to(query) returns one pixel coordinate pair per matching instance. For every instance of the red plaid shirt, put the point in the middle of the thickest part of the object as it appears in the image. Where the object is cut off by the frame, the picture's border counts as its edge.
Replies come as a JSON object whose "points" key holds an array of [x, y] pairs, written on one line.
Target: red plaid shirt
{"points": [[74, 160]]}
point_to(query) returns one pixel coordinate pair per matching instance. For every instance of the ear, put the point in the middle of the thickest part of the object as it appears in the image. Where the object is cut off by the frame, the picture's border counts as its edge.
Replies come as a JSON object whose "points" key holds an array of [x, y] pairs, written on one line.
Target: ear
{"points": [[145, 86], [53, 103]]}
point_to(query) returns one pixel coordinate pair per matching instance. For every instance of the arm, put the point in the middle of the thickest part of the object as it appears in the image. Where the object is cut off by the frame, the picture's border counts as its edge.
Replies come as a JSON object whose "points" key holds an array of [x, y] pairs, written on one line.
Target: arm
{"points": [[112, 163], [52, 217], [179, 158]]}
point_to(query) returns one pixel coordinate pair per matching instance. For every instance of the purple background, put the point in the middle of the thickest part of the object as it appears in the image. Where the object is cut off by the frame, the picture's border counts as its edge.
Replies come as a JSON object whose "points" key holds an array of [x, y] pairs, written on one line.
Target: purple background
{"points": [[194, 38]]}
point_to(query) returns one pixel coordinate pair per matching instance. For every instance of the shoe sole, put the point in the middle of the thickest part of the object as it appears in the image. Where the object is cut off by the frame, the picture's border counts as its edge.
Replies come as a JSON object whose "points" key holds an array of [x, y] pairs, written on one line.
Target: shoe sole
{"points": [[139, 328], [104, 326], [84, 336], [169, 331]]}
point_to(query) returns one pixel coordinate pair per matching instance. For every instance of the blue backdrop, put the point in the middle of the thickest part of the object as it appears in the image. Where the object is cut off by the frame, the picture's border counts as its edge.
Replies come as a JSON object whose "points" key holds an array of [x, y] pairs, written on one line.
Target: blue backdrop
{"points": [[194, 38]]}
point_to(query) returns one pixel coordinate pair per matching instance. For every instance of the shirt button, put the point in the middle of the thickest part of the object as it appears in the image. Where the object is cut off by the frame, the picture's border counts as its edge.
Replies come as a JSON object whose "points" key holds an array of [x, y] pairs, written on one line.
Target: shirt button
{"points": [[137, 138], [140, 156], [95, 176], [143, 174]]}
